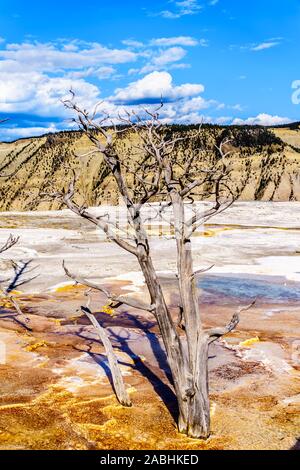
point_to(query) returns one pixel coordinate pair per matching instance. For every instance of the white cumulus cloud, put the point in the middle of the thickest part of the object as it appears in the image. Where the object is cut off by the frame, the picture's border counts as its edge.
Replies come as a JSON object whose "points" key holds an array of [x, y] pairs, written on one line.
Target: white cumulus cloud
{"points": [[53, 57], [262, 119], [154, 86], [36, 93], [7, 133]]}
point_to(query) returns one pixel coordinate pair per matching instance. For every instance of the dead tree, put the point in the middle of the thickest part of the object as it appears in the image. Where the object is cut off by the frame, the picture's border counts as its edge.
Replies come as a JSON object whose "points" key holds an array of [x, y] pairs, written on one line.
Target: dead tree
{"points": [[158, 175], [19, 278], [12, 241]]}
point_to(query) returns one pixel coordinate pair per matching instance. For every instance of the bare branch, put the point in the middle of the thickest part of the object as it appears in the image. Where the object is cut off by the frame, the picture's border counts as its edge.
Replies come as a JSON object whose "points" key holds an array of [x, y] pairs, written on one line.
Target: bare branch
{"points": [[201, 271], [216, 333], [119, 300], [18, 308], [12, 241], [82, 212], [116, 373], [20, 271]]}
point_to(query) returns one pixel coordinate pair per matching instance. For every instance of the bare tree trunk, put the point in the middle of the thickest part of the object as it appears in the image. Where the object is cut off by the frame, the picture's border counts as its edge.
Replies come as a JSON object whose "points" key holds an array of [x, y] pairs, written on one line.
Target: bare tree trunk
{"points": [[116, 373], [191, 390], [195, 419], [174, 348]]}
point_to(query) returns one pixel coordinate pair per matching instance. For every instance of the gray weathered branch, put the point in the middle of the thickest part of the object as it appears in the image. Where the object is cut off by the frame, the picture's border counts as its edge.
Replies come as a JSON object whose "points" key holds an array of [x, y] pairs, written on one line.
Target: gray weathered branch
{"points": [[116, 372], [117, 299], [216, 333], [12, 241]]}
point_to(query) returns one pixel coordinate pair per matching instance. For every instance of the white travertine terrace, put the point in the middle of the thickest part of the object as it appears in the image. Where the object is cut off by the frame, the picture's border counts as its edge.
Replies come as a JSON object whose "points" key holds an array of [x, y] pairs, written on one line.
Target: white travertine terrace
{"points": [[265, 243]]}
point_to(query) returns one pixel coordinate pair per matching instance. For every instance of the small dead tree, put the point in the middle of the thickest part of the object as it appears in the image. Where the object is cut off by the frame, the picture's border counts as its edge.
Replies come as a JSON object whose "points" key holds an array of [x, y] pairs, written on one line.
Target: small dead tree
{"points": [[19, 278], [157, 174], [11, 241]]}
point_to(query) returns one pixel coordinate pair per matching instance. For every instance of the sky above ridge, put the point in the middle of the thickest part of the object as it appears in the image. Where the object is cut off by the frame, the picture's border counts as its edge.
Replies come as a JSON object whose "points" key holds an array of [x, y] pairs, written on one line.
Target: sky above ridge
{"points": [[221, 61]]}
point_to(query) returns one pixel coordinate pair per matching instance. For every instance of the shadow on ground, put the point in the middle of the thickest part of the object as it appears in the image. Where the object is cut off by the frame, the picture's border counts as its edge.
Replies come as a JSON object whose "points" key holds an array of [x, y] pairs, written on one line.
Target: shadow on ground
{"points": [[163, 389], [297, 445]]}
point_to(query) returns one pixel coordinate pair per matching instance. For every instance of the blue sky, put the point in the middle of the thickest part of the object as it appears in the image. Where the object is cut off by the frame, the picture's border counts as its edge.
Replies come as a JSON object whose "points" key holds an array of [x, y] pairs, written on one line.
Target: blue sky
{"points": [[224, 61]]}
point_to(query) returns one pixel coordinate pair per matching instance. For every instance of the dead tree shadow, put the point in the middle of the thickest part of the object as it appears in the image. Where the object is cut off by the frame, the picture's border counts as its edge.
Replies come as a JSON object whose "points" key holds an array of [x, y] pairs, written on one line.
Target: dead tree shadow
{"points": [[131, 321], [22, 274], [155, 345], [101, 360], [163, 390], [15, 318], [297, 445]]}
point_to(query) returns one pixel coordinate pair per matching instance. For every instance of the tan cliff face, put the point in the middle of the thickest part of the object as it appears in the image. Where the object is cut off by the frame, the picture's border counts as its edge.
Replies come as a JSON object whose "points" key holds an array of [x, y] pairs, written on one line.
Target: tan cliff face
{"points": [[265, 165]]}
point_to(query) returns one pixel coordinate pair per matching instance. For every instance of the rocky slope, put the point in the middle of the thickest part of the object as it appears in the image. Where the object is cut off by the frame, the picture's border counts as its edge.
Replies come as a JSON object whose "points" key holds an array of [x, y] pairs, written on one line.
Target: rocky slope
{"points": [[265, 162]]}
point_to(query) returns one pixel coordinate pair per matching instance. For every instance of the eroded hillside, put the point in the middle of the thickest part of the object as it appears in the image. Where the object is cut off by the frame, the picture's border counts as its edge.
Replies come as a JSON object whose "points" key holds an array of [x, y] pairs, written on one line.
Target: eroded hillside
{"points": [[265, 163]]}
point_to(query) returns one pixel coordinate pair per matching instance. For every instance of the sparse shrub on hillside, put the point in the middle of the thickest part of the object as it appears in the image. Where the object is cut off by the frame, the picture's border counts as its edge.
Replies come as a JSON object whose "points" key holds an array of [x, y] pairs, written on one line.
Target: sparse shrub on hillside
{"points": [[43, 161]]}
